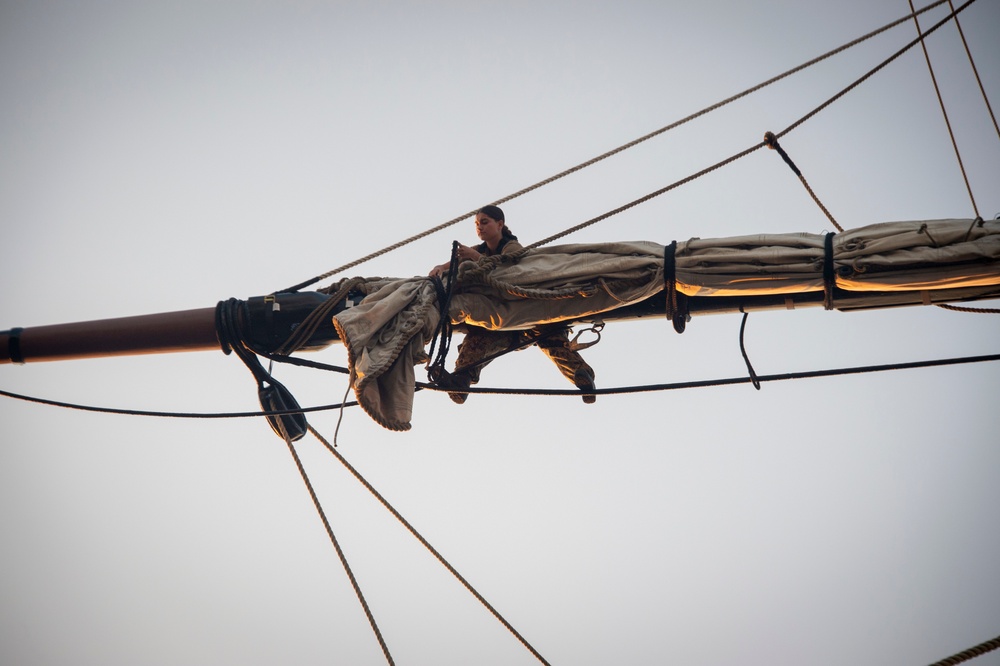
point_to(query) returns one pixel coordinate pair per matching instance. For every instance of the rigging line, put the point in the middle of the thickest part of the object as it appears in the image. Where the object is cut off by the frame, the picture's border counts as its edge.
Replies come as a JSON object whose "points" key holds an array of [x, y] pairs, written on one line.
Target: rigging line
{"points": [[174, 415], [958, 308], [440, 558], [746, 152], [772, 143], [944, 112], [621, 148], [336, 544], [877, 68], [706, 383], [965, 655], [500, 391], [975, 71]]}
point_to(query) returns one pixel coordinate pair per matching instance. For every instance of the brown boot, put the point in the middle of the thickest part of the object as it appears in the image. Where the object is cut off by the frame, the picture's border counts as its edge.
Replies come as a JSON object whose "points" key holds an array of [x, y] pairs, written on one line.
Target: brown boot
{"points": [[584, 380], [459, 380]]}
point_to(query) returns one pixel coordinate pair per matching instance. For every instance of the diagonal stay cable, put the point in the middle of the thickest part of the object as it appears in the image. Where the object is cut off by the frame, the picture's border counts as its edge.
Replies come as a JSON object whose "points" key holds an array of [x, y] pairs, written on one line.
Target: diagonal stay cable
{"points": [[944, 114], [335, 542], [619, 149], [975, 71], [753, 148], [440, 558]]}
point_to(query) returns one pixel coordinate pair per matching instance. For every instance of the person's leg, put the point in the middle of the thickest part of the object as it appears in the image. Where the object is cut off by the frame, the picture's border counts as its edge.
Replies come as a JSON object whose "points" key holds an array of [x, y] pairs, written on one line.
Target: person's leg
{"points": [[568, 360]]}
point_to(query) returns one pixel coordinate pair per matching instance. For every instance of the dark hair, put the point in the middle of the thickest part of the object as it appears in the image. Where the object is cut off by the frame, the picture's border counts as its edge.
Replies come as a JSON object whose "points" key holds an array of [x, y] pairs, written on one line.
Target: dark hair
{"points": [[492, 212]]}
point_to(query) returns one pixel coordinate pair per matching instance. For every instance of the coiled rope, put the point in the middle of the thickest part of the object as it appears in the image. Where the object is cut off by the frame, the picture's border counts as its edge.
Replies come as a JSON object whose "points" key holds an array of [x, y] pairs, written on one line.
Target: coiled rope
{"points": [[619, 149]]}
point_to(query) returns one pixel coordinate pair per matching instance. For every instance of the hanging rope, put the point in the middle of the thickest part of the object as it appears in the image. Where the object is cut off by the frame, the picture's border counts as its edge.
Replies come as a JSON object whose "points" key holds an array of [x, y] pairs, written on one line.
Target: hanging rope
{"points": [[440, 558], [435, 365], [743, 351], [756, 147], [944, 112], [971, 653], [619, 149]]}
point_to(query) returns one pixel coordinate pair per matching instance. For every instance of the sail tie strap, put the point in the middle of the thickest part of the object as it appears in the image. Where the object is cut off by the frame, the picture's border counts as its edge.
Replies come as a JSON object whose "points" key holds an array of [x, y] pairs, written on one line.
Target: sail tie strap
{"points": [[14, 345], [828, 272], [676, 303]]}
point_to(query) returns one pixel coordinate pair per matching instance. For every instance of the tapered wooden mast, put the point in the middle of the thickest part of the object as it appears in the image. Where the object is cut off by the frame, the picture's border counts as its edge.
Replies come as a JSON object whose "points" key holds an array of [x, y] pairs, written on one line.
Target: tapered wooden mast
{"points": [[195, 330], [183, 331]]}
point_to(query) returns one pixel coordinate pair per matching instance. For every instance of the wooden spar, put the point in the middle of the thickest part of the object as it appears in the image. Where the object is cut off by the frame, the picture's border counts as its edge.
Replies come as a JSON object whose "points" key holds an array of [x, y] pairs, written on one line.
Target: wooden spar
{"points": [[195, 330], [182, 331]]}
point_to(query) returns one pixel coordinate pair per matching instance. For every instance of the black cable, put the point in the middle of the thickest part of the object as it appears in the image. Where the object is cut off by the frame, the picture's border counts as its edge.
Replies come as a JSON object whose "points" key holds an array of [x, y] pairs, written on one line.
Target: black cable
{"points": [[174, 415], [647, 388]]}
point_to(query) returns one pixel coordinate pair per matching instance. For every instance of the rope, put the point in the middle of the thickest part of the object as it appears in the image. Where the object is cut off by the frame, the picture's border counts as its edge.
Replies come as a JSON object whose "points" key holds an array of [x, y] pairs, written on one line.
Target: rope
{"points": [[171, 415], [619, 149], [811, 374], [751, 149], [944, 112], [772, 143], [499, 391], [959, 308], [975, 71], [440, 558], [972, 652], [319, 316], [336, 544], [743, 350], [435, 364]]}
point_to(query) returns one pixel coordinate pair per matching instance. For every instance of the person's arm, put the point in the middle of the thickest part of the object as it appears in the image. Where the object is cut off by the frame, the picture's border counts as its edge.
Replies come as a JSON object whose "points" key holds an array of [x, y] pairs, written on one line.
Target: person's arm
{"points": [[465, 253]]}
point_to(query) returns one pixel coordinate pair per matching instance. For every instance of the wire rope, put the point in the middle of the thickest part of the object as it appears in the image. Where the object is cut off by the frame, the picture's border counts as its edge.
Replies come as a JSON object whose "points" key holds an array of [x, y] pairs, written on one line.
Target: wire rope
{"points": [[756, 147], [619, 149], [646, 388]]}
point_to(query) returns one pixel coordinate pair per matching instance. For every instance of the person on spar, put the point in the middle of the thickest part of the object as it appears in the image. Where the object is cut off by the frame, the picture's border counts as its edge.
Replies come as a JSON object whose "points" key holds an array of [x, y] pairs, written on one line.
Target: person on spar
{"points": [[497, 238]]}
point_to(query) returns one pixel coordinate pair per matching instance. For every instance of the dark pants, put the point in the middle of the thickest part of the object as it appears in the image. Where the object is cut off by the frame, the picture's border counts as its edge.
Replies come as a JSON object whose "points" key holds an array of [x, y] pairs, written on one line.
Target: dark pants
{"points": [[480, 343]]}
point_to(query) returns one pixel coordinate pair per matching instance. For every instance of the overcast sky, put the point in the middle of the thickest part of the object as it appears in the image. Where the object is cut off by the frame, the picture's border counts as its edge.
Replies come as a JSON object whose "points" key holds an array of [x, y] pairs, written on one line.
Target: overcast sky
{"points": [[165, 156]]}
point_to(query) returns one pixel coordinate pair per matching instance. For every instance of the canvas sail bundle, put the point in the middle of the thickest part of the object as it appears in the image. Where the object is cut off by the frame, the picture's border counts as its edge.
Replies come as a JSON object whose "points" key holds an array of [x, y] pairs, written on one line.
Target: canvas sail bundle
{"points": [[386, 334]]}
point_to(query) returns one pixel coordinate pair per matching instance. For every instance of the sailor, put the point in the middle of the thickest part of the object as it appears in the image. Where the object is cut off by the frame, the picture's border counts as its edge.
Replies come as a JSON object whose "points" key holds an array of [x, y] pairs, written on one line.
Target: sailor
{"points": [[497, 238]]}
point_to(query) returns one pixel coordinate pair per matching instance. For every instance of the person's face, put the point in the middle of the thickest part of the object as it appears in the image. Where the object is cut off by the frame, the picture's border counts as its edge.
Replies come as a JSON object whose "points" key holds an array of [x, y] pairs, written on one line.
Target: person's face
{"points": [[488, 229]]}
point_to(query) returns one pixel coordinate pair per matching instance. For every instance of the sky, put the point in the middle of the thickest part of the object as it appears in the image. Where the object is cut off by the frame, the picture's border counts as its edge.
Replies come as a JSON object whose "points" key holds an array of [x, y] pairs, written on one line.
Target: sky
{"points": [[166, 156]]}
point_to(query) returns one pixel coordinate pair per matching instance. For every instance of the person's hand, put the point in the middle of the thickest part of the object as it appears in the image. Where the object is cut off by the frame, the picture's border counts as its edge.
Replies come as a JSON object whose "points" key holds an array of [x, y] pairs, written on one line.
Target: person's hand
{"points": [[466, 253]]}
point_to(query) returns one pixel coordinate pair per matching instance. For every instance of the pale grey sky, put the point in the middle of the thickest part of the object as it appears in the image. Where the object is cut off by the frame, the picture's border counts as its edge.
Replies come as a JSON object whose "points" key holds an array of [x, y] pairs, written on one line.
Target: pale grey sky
{"points": [[165, 156]]}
